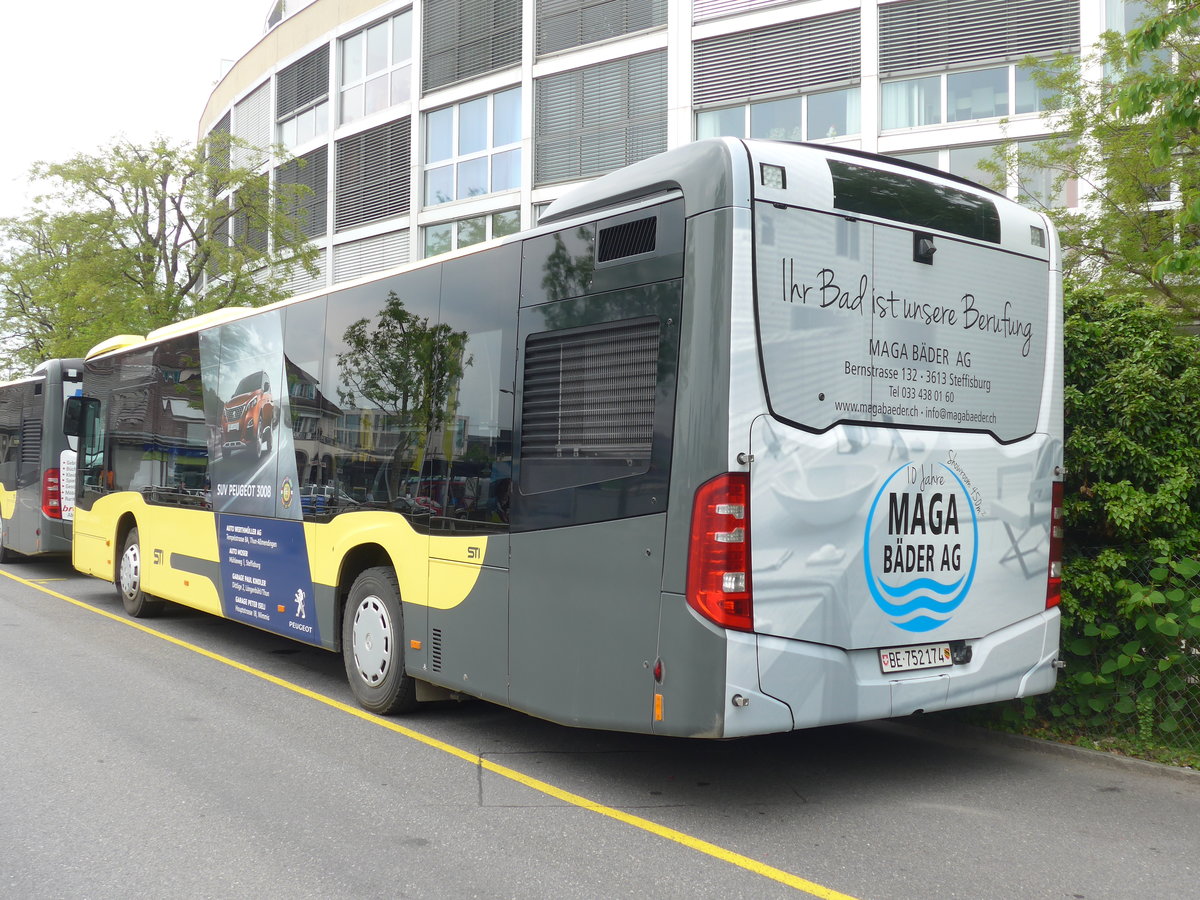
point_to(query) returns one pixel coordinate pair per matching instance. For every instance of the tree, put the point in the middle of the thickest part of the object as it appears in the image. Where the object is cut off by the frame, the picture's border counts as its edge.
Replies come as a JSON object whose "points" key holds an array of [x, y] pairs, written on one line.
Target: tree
{"points": [[136, 237], [1168, 96], [1135, 212]]}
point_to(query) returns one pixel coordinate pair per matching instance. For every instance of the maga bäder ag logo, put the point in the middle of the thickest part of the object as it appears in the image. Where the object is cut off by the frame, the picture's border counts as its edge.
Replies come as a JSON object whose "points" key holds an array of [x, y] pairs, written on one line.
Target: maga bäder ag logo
{"points": [[920, 559]]}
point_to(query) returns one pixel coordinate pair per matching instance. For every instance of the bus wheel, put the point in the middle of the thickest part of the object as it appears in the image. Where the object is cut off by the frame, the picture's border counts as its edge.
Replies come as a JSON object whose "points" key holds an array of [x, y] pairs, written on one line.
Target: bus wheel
{"points": [[137, 602], [373, 644]]}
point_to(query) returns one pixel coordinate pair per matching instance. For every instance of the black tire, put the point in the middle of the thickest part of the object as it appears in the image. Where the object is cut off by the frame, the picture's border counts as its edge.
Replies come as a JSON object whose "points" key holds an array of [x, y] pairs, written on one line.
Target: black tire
{"points": [[137, 602], [373, 644]]}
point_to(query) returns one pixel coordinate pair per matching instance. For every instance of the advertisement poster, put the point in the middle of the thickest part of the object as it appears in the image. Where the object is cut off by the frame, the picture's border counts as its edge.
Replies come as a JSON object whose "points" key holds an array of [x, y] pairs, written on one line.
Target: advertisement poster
{"points": [[265, 578], [66, 484]]}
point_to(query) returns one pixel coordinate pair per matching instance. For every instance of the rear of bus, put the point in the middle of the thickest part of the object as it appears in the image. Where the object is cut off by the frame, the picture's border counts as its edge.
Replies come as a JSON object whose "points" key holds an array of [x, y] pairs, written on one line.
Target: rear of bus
{"points": [[886, 540], [37, 461]]}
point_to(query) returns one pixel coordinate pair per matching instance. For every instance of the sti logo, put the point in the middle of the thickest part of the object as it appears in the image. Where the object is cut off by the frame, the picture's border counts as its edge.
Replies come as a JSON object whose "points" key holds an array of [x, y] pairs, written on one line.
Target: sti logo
{"points": [[921, 546]]}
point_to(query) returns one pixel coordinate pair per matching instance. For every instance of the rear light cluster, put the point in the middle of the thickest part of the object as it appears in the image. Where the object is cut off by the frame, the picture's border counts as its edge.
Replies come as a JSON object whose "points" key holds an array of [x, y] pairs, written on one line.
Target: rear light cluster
{"points": [[1054, 574], [718, 574], [51, 497]]}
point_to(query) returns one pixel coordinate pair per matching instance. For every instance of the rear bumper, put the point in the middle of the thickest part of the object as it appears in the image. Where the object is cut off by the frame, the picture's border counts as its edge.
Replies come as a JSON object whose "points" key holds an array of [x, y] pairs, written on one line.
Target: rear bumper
{"points": [[824, 685]]}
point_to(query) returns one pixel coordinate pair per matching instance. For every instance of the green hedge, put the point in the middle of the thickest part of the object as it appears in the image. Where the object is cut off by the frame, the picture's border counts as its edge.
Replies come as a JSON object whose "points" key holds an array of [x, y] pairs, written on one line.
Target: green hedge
{"points": [[1131, 604]]}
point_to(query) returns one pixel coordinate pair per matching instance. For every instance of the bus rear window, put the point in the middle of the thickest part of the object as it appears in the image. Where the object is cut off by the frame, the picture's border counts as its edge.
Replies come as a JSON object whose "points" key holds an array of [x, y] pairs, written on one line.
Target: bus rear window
{"points": [[914, 201]]}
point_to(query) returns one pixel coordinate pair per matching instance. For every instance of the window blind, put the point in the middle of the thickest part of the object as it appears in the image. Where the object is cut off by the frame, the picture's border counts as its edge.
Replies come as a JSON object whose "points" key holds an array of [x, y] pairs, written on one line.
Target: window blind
{"points": [[373, 175], [795, 56], [920, 35]]}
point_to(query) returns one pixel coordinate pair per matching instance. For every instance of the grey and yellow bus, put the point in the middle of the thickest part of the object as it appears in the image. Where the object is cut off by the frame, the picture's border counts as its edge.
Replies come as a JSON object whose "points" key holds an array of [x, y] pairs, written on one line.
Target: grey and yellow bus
{"points": [[748, 437], [37, 461]]}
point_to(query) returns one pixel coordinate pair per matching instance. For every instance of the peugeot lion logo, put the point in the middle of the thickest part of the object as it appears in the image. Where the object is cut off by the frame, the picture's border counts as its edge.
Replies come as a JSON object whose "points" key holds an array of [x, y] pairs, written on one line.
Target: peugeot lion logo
{"points": [[920, 563]]}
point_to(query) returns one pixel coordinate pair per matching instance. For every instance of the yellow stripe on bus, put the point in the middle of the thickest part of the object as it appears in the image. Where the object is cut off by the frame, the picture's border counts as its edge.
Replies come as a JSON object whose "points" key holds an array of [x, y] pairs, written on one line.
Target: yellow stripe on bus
{"points": [[456, 559], [536, 784], [8, 502]]}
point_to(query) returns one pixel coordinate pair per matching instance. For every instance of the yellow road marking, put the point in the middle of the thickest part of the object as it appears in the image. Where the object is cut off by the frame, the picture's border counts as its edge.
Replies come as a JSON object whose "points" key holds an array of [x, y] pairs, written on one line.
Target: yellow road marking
{"points": [[663, 831]]}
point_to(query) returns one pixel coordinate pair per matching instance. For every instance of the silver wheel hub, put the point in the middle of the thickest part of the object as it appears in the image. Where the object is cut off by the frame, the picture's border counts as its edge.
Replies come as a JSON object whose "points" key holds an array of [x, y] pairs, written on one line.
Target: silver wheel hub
{"points": [[373, 640], [131, 571]]}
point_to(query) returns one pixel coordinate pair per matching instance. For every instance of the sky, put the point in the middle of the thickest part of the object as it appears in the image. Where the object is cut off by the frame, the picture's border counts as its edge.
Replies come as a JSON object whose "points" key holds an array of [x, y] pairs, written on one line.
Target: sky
{"points": [[76, 74]]}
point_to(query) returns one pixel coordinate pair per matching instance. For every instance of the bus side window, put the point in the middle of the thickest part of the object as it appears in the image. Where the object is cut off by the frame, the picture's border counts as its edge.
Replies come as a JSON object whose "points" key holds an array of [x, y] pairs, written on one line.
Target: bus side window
{"points": [[383, 379], [471, 481], [176, 470], [10, 444]]}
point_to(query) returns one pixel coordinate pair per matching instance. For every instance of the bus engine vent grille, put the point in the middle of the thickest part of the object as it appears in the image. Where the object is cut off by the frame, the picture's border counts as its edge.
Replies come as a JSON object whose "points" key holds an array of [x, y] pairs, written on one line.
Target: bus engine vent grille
{"points": [[626, 239], [588, 403], [31, 442], [435, 649]]}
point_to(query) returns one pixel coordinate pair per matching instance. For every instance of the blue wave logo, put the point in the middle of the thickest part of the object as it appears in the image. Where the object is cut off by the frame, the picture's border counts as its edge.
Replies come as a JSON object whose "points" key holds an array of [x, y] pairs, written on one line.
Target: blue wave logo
{"points": [[915, 566]]}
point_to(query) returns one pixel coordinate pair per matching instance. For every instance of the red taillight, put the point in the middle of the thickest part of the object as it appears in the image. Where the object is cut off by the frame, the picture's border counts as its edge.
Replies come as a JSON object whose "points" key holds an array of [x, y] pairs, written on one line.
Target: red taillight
{"points": [[718, 576], [1054, 574], [51, 498]]}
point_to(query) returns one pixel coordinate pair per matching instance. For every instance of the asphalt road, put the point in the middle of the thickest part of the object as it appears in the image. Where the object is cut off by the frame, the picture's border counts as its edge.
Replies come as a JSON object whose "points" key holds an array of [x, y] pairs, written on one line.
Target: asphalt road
{"points": [[202, 758]]}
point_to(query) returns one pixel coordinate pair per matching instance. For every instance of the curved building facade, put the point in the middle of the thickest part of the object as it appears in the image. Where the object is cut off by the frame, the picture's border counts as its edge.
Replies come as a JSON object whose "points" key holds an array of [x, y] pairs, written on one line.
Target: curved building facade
{"points": [[427, 125]]}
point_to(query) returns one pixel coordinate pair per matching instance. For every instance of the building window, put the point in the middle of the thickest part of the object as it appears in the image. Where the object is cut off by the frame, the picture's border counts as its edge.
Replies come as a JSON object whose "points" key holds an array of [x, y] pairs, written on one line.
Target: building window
{"points": [[1028, 96], [302, 99], [966, 162], [447, 236], [473, 148], [964, 96], [376, 67], [593, 120], [804, 56], [930, 159], [308, 178], [304, 126], [1025, 182], [966, 34], [463, 40], [830, 114], [981, 94], [373, 175], [562, 24], [778, 119], [1040, 187], [730, 122], [912, 102], [1123, 16], [833, 114], [252, 123]]}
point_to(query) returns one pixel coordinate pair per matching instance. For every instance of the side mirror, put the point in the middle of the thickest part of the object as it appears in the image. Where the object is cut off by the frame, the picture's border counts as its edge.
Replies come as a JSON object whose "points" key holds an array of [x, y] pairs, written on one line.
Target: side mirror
{"points": [[75, 413], [73, 416]]}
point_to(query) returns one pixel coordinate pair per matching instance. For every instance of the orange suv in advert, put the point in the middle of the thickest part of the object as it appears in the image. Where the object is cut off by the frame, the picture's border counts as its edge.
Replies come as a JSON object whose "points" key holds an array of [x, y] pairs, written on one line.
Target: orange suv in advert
{"points": [[248, 418]]}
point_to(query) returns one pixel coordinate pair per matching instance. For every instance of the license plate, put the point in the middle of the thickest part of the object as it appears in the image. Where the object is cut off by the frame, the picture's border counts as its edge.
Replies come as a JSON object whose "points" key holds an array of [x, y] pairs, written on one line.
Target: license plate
{"points": [[923, 656], [232, 426]]}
